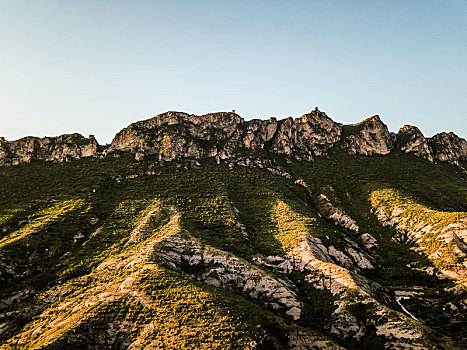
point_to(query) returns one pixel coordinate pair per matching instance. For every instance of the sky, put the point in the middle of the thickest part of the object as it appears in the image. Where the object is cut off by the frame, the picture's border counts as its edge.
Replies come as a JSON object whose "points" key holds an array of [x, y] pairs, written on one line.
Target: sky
{"points": [[94, 67]]}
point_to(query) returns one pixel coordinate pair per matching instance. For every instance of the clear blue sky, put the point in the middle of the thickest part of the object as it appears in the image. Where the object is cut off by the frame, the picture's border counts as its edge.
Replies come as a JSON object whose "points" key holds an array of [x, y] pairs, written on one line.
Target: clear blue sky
{"points": [[96, 66]]}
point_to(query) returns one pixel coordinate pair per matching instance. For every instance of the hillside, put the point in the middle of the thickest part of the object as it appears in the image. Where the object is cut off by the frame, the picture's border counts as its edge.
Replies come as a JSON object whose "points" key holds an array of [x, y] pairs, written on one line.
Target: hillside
{"points": [[212, 232]]}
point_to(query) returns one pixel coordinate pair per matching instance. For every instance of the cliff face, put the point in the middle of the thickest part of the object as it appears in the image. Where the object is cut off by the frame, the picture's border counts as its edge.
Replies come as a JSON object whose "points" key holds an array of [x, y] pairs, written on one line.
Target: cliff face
{"points": [[449, 147], [176, 135], [446, 147], [411, 140], [369, 137], [60, 148], [227, 136], [311, 135], [223, 135]]}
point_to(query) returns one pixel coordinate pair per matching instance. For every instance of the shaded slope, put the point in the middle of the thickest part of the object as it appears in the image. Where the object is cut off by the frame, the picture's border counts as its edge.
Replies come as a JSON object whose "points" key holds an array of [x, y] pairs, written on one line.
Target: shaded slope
{"points": [[112, 283]]}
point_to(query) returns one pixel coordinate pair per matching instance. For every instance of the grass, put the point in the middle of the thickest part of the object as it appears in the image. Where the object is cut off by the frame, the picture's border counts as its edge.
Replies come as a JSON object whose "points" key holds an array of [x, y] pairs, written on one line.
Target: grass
{"points": [[243, 211], [424, 223]]}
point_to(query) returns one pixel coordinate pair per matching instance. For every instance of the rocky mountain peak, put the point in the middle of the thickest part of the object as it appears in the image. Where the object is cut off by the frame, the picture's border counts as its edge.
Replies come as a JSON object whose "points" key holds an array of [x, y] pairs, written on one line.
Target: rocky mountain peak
{"points": [[368, 137], [409, 128], [317, 117], [313, 134], [448, 147], [411, 140], [227, 136], [373, 119], [224, 135], [174, 117], [60, 148]]}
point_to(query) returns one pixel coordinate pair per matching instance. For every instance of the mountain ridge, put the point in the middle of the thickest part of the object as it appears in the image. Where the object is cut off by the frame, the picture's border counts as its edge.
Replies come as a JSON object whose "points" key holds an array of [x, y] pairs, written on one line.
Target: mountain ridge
{"points": [[227, 136]]}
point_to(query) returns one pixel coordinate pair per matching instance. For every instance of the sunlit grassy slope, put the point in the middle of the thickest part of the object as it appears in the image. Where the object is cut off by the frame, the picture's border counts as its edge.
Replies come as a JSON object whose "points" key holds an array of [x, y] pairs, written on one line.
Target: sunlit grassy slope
{"points": [[76, 239]]}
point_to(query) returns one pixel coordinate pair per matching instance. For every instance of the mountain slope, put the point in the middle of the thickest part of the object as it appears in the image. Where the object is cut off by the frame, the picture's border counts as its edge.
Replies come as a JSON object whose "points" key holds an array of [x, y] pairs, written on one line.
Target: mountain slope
{"points": [[260, 250]]}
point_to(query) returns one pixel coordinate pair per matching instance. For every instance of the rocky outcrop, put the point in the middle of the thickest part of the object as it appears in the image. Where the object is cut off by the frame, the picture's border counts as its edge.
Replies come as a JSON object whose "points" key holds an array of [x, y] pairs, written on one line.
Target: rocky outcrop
{"points": [[329, 211], [449, 147], [222, 135], [440, 236], [351, 292], [411, 140], [371, 136], [311, 135], [220, 269], [225, 136], [60, 148], [175, 135], [368, 241]]}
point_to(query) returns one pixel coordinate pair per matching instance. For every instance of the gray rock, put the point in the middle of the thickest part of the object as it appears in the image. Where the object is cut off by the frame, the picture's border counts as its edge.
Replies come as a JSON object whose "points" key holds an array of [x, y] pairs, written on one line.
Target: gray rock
{"points": [[60, 148], [371, 136], [220, 269], [448, 147], [176, 135], [225, 136], [411, 140]]}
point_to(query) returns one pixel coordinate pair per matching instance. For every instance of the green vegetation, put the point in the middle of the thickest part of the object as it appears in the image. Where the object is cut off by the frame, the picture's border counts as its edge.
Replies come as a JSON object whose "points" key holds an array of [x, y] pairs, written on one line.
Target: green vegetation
{"points": [[76, 242], [40, 220], [427, 225]]}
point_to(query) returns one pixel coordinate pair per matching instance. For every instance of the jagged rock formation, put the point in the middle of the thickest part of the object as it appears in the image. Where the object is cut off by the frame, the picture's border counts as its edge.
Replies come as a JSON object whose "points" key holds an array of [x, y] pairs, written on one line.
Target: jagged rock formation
{"points": [[329, 211], [449, 147], [411, 140], [217, 268], [446, 147], [60, 148], [175, 135], [324, 270], [227, 136], [368, 137]]}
